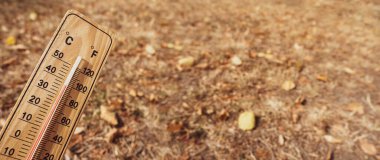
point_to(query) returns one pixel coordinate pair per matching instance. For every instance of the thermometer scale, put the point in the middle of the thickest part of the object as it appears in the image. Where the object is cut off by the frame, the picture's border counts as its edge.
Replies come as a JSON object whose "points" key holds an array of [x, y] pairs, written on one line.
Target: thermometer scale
{"points": [[46, 113]]}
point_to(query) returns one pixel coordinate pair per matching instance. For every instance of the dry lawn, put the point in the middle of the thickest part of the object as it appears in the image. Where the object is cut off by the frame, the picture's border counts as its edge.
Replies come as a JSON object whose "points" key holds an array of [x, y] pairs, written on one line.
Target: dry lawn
{"points": [[236, 56]]}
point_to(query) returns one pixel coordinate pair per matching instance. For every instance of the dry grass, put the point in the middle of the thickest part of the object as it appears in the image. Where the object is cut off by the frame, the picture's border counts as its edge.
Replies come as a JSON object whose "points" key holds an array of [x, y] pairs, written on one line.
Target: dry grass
{"points": [[330, 49]]}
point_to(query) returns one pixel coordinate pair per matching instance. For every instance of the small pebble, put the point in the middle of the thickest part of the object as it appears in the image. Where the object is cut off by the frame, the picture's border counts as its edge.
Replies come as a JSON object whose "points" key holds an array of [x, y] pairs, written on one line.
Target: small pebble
{"points": [[246, 120], [349, 70], [132, 93], [150, 50], [332, 139], [288, 85], [235, 60], [186, 61], [33, 16], [79, 130], [281, 140]]}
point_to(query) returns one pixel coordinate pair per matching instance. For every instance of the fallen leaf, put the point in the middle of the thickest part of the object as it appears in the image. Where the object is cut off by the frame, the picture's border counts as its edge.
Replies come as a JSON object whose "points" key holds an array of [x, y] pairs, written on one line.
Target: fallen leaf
{"points": [[186, 61], [270, 57], [246, 120], [330, 154], [152, 97], [33, 16], [126, 130], [184, 157], [169, 45], [119, 85], [75, 140], [79, 130], [303, 80], [367, 147], [281, 140], [288, 85], [140, 93], [108, 116], [349, 70], [132, 93], [174, 127], [4, 28], [203, 65], [253, 54], [11, 40], [300, 100], [115, 102], [199, 111], [178, 47], [262, 153], [297, 47], [18, 47], [299, 65], [2, 122], [209, 111], [322, 78], [295, 116], [149, 49], [355, 107], [173, 46], [9, 61], [235, 60], [332, 139], [224, 115], [111, 134]]}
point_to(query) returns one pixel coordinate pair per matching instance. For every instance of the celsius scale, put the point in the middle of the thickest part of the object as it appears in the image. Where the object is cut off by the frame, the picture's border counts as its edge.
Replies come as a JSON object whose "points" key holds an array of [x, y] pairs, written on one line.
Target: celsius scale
{"points": [[46, 113]]}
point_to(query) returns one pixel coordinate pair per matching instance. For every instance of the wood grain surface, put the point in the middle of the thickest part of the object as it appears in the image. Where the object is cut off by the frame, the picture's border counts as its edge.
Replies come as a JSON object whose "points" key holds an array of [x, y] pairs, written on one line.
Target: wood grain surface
{"points": [[23, 136]]}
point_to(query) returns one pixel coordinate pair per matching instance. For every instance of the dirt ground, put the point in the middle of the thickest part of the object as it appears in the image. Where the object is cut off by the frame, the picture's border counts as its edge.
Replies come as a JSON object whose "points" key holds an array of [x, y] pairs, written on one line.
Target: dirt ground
{"points": [[309, 70]]}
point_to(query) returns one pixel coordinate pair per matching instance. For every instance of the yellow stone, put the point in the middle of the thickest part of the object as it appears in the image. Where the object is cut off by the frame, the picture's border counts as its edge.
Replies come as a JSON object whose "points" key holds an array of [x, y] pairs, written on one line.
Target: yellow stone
{"points": [[235, 60], [33, 16], [10, 41], [288, 85], [186, 61], [246, 120]]}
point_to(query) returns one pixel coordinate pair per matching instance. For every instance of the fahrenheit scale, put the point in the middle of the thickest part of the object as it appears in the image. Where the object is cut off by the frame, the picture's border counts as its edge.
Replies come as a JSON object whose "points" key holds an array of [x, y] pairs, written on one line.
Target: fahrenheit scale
{"points": [[50, 105]]}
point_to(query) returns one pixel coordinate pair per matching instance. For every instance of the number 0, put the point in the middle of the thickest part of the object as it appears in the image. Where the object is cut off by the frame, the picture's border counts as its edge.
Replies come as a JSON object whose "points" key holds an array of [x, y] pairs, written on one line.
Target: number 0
{"points": [[17, 133]]}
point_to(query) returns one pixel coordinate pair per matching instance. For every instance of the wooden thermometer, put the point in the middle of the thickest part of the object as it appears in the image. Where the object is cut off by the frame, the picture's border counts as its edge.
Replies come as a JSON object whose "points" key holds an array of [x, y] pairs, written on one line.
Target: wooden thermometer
{"points": [[50, 105]]}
